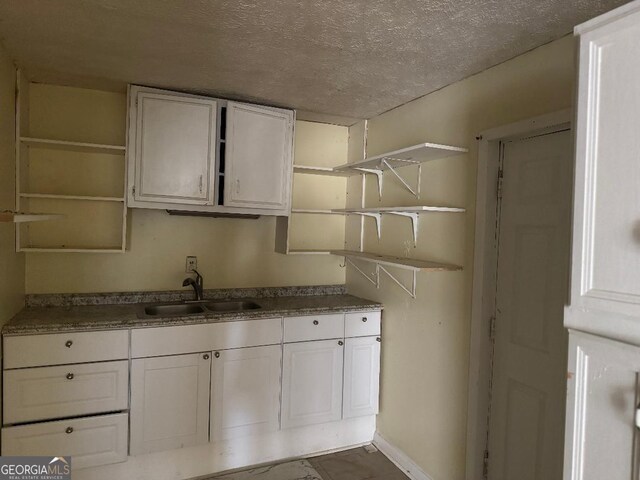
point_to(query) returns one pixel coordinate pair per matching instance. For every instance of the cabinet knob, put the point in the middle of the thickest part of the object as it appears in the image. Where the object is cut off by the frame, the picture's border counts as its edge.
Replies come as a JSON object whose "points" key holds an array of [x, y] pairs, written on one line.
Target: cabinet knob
{"points": [[364, 319], [340, 342], [205, 356], [68, 343], [316, 322], [217, 354], [70, 376], [69, 430], [378, 339]]}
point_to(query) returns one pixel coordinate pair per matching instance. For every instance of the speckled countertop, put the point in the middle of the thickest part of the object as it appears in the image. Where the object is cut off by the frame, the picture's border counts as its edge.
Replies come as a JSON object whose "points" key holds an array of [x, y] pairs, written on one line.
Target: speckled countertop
{"points": [[64, 313]]}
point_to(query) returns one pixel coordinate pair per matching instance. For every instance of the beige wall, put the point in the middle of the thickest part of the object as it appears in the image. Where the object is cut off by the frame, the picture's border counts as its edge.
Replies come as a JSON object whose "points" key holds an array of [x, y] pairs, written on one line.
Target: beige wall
{"points": [[426, 340], [231, 252], [11, 263]]}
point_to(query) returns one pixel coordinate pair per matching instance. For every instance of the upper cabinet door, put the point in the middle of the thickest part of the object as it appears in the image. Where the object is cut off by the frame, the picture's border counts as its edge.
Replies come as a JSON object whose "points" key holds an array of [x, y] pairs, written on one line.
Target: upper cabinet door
{"points": [[606, 230], [259, 157], [174, 145]]}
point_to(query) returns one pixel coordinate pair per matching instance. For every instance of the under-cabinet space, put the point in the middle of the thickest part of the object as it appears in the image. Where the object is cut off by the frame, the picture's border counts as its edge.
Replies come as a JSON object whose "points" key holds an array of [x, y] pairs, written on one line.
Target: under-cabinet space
{"points": [[169, 402], [245, 392], [90, 441], [312, 383]]}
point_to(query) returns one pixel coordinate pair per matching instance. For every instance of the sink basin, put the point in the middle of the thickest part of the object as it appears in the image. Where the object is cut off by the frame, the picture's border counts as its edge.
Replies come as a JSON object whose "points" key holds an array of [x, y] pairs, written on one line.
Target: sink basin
{"points": [[174, 309], [231, 306]]}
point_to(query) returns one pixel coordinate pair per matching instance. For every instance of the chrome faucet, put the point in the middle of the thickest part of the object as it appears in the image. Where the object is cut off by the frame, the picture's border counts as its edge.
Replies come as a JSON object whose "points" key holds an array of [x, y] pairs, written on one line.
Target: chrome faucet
{"points": [[197, 284]]}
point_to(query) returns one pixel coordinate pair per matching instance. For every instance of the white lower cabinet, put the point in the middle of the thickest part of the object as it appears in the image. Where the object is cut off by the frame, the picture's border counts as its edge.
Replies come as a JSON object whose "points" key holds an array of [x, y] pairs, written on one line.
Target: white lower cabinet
{"points": [[312, 382], [90, 441], [361, 376], [245, 392], [602, 409], [169, 402]]}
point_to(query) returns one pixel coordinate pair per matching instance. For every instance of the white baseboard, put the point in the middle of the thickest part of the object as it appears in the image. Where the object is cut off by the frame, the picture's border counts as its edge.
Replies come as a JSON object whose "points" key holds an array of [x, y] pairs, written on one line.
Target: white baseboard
{"points": [[399, 458]]}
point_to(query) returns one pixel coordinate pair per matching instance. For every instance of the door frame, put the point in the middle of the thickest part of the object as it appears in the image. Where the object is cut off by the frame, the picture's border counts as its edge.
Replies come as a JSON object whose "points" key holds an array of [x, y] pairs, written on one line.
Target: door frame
{"points": [[485, 274]]}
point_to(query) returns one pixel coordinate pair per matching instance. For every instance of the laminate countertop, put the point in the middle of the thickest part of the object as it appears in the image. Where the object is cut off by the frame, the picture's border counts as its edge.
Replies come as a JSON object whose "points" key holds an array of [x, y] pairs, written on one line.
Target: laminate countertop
{"points": [[66, 318]]}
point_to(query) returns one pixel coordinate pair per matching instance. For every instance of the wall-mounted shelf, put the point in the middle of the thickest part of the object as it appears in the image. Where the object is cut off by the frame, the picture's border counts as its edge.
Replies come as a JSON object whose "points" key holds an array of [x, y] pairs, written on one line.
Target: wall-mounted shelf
{"points": [[54, 196], [73, 146], [328, 171], [399, 262], [17, 217], [301, 251], [72, 249]]}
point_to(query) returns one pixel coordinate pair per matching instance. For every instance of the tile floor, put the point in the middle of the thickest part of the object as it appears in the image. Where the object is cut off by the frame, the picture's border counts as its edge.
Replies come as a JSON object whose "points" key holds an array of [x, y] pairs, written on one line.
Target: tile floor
{"points": [[356, 464]]}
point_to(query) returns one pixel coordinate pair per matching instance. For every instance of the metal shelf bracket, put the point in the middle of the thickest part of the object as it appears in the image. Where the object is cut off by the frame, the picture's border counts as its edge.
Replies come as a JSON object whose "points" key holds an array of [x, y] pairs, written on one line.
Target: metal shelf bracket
{"points": [[414, 224], [376, 216], [411, 292], [415, 192], [378, 174], [375, 280]]}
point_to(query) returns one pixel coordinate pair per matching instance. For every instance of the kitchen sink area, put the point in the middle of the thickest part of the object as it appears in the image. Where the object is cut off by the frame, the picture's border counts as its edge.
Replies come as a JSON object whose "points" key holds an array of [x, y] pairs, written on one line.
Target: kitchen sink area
{"points": [[199, 307]]}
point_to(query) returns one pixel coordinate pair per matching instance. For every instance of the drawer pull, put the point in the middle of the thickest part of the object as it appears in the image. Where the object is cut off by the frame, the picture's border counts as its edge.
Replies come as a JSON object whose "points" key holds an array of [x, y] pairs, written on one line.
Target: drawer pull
{"points": [[68, 343], [378, 339], [217, 354], [69, 430], [364, 319], [316, 322], [70, 376], [340, 342], [206, 356]]}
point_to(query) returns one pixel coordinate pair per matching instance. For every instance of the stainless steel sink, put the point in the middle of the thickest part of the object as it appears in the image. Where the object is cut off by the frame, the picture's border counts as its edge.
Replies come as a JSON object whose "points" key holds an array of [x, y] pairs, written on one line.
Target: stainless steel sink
{"points": [[174, 309], [231, 306]]}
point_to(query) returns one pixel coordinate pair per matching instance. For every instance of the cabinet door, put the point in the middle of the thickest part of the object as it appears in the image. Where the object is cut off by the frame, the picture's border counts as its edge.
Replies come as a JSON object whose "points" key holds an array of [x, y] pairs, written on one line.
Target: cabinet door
{"points": [[602, 413], [312, 383], [258, 157], [606, 230], [361, 376], [169, 402], [245, 392], [175, 144]]}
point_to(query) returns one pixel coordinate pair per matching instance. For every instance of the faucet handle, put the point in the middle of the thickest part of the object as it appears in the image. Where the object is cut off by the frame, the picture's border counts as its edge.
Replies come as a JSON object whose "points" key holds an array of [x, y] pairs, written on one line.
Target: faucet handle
{"points": [[199, 279]]}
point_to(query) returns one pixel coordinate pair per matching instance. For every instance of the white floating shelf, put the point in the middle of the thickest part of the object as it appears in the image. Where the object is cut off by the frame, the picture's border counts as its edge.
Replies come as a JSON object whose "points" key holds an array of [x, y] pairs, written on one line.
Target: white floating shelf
{"points": [[73, 146], [414, 155], [412, 209], [308, 252], [71, 249], [400, 262], [72, 197], [328, 171], [17, 217]]}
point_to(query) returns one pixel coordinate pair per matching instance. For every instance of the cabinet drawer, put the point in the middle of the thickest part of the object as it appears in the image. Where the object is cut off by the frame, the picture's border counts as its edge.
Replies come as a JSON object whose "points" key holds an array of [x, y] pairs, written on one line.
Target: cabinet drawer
{"points": [[63, 348], [313, 327], [362, 324], [66, 391], [155, 342], [90, 441]]}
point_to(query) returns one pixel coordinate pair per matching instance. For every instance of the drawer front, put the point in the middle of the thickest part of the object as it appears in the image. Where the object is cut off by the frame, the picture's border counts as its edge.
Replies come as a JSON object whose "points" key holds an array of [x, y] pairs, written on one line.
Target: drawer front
{"points": [[362, 324], [90, 441], [155, 342], [66, 391], [313, 327], [64, 348]]}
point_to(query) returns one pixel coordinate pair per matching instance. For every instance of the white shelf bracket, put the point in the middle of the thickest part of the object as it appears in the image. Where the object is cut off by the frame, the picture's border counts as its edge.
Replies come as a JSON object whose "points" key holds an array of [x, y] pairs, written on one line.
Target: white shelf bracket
{"points": [[414, 223], [392, 169], [411, 292], [378, 174], [375, 281], [378, 218]]}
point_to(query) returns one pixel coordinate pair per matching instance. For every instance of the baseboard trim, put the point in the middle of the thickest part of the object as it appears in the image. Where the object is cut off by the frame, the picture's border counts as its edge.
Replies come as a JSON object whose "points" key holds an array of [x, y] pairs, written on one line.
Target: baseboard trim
{"points": [[399, 458]]}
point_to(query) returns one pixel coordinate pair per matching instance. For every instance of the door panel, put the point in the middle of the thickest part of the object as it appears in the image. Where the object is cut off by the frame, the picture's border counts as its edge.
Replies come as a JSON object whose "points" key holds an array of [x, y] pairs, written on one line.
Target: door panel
{"points": [[526, 433], [312, 383], [245, 392], [361, 376], [258, 157], [169, 402]]}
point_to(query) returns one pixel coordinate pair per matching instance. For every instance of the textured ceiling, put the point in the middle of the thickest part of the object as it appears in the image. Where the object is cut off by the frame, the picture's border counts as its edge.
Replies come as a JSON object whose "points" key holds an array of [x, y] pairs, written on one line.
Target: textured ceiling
{"points": [[333, 60]]}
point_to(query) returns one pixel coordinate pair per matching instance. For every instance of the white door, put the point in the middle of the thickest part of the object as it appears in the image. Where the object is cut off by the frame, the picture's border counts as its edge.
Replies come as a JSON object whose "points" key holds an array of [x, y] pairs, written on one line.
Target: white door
{"points": [[312, 383], [245, 392], [361, 376], [175, 148], [530, 344], [258, 157], [602, 401], [169, 402]]}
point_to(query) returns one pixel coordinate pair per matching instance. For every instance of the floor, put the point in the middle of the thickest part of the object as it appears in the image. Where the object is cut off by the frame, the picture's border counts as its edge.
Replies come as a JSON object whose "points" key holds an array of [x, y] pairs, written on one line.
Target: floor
{"points": [[364, 463], [357, 464]]}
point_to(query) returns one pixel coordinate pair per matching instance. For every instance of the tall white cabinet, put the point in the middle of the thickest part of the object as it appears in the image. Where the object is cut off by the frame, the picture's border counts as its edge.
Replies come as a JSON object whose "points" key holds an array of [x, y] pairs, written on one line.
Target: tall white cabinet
{"points": [[604, 362]]}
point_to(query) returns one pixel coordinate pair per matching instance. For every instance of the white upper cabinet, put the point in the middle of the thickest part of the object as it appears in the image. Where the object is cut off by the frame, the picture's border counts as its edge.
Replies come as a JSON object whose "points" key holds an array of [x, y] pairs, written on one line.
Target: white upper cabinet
{"points": [[606, 232], [172, 148], [258, 157], [194, 153]]}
